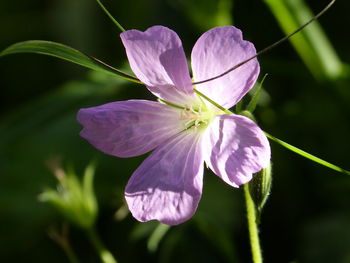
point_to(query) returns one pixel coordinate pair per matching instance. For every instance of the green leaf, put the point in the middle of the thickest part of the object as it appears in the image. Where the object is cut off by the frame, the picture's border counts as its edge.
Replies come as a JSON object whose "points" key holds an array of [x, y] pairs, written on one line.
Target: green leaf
{"points": [[66, 53], [328, 58], [206, 14], [156, 237], [290, 147], [254, 101], [311, 44], [307, 155]]}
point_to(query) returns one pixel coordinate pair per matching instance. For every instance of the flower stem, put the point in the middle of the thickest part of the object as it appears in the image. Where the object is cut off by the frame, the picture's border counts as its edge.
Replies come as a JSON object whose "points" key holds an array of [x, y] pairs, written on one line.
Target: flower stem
{"points": [[61, 239], [212, 102], [253, 227], [280, 142], [110, 16], [104, 254], [307, 155], [71, 255]]}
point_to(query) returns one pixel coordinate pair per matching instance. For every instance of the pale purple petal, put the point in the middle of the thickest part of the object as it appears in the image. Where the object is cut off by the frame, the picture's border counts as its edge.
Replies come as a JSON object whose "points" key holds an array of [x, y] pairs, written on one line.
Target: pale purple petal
{"points": [[168, 185], [235, 148], [216, 51], [129, 128], [157, 58]]}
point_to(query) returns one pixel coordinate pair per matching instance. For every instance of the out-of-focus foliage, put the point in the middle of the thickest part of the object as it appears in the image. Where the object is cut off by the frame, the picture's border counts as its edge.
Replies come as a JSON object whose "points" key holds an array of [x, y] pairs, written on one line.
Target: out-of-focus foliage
{"points": [[73, 198], [307, 216], [311, 44]]}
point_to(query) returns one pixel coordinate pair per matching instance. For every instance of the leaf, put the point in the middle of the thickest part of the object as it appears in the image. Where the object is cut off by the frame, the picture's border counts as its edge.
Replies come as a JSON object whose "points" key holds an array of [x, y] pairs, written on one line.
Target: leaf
{"points": [[66, 53], [156, 237], [255, 98], [307, 155], [311, 44], [318, 40], [206, 14], [288, 146]]}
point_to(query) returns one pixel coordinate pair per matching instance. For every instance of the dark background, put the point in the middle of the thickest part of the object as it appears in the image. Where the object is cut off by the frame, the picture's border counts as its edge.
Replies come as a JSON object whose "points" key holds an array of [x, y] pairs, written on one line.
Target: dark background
{"points": [[307, 217]]}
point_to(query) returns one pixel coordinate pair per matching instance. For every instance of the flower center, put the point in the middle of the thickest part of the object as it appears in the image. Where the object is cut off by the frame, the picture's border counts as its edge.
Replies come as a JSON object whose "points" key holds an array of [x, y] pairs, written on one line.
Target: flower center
{"points": [[196, 117]]}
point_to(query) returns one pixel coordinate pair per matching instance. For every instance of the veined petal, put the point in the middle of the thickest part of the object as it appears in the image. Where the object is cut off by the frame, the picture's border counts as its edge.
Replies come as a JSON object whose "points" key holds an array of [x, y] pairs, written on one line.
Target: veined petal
{"points": [[157, 58], [235, 148], [168, 185], [129, 128], [216, 51]]}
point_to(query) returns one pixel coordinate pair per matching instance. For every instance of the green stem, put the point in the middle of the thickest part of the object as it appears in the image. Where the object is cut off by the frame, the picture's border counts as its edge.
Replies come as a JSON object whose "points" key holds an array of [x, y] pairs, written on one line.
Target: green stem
{"points": [[307, 155], [251, 211], [61, 239], [110, 16], [71, 255], [212, 102], [253, 227], [282, 143], [171, 104], [104, 254]]}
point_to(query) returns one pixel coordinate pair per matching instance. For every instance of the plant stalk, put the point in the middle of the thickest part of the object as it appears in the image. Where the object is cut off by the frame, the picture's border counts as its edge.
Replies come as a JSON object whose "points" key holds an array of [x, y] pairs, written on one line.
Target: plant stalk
{"points": [[104, 254], [253, 227]]}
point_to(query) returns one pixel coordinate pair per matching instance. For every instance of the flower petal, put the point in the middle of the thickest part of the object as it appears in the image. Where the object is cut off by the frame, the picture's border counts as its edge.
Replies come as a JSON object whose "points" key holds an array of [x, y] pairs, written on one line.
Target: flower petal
{"points": [[216, 51], [157, 58], [235, 148], [168, 185], [129, 128]]}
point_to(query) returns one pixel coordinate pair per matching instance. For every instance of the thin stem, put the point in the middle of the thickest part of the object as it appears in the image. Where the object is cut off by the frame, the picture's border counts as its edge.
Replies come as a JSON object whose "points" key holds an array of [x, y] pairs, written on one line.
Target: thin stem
{"points": [[269, 47], [119, 72], [307, 155], [61, 238], [71, 255], [282, 143], [110, 16], [212, 102], [171, 104], [253, 227], [104, 254]]}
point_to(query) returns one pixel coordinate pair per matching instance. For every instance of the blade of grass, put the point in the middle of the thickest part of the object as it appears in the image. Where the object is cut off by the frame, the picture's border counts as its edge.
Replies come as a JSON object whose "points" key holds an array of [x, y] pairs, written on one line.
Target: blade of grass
{"points": [[307, 155], [326, 54], [311, 44], [282, 143]]}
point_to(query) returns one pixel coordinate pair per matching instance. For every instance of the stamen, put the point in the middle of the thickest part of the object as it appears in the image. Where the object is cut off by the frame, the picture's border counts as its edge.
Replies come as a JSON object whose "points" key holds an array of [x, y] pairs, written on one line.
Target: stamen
{"points": [[196, 117]]}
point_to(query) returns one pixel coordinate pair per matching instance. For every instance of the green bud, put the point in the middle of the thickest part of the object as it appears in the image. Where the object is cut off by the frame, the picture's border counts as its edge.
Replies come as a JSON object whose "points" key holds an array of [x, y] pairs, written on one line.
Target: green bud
{"points": [[73, 198], [260, 187]]}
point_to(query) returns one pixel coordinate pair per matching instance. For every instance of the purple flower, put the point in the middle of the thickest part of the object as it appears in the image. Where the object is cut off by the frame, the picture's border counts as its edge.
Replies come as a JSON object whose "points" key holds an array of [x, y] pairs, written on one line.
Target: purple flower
{"points": [[183, 130]]}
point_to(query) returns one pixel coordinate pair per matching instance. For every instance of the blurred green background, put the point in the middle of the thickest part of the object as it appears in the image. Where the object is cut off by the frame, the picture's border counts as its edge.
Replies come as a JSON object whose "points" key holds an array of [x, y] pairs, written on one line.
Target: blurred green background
{"points": [[307, 217]]}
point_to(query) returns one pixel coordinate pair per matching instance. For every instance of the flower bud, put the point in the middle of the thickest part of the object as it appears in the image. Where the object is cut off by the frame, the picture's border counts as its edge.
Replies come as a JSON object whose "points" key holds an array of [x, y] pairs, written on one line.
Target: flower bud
{"points": [[259, 188], [73, 198]]}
